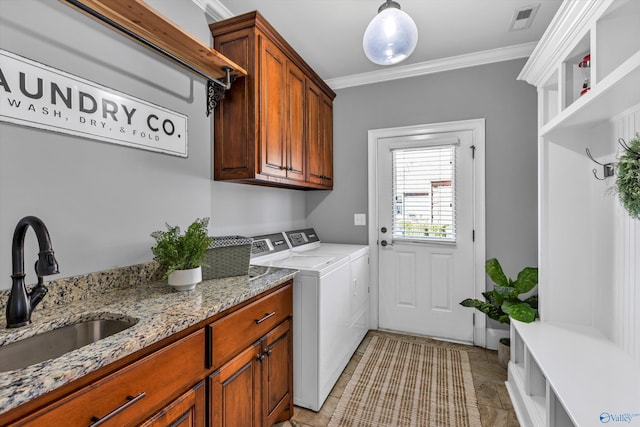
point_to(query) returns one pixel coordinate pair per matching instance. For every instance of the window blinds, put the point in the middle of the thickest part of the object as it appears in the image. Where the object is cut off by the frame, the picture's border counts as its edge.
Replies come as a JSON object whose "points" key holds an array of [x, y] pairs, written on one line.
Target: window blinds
{"points": [[423, 181]]}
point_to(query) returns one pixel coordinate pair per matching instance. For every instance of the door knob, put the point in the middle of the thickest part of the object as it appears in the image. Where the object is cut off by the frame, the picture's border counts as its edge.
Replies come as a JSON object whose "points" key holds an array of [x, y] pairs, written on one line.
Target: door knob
{"points": [[383, 230], [383, 243]]}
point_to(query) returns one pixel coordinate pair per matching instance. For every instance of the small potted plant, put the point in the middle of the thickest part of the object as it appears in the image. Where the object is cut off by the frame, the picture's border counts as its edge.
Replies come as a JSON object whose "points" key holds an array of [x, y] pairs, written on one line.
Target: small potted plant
{"points": [[504, 301], [182, 254]]}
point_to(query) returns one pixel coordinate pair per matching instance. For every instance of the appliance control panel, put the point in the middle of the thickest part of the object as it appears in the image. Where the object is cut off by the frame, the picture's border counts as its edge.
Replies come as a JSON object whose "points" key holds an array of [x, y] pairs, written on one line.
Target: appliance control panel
{"points": [[268, 244], [302, 237]]}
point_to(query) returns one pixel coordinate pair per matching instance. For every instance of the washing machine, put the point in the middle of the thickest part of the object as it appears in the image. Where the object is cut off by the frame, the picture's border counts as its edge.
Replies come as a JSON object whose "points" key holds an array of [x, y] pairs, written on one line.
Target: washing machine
{"points": [[306, 241], [321, 315]]}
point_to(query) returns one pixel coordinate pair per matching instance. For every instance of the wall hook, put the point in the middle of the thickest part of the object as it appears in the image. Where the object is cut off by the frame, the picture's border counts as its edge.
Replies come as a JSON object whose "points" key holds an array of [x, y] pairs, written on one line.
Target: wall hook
{"points": [[627, 147], [607, 168]]}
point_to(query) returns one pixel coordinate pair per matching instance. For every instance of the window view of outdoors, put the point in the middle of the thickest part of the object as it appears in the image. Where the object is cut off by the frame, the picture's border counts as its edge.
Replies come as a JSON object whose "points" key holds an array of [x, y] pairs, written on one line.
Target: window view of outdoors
{"points": [[424, 193]]}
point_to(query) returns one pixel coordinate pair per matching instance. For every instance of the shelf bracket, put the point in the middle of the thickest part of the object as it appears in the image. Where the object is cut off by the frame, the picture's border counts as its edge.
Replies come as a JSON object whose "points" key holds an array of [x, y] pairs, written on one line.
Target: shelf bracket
{"points": [[216, 90], [215, 87]]}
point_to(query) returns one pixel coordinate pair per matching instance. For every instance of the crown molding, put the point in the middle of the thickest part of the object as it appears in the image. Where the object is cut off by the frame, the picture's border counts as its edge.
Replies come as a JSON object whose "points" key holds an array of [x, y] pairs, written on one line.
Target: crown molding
{"points": [[435, 66], [569, 25], [217, 12], [214, 9]]}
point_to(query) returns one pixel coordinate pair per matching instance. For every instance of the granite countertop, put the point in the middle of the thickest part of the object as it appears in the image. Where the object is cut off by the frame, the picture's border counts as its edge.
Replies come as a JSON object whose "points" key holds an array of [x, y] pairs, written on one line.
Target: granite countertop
{"points": [[158, 310]]}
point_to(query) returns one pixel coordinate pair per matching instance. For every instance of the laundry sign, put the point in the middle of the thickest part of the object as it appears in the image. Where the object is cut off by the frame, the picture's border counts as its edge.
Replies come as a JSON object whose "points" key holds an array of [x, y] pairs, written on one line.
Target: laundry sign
{"points": [[36, 95]]}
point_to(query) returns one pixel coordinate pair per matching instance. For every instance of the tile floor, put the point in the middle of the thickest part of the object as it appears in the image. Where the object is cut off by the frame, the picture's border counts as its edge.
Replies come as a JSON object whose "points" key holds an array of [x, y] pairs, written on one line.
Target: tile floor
{"points": [[488, 378]]}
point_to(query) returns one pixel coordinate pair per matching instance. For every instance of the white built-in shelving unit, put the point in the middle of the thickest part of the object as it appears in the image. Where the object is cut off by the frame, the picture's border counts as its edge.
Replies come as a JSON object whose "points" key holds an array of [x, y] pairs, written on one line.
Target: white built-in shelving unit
{"points": [[579, 365]]}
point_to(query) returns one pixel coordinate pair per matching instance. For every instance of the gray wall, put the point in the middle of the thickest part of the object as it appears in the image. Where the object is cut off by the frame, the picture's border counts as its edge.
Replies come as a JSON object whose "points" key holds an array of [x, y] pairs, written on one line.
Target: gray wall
{"points": [[491, 92], [100, 201]]}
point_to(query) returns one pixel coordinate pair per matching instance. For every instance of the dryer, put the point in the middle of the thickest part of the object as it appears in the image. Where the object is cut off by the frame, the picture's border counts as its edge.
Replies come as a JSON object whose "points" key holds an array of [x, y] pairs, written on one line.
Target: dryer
{"points": [[321, 315], [308, 242]]}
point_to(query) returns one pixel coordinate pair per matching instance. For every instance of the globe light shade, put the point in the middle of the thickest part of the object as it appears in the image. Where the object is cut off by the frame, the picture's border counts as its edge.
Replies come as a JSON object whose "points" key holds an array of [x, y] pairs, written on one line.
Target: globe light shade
{"points": [[390, 37]]}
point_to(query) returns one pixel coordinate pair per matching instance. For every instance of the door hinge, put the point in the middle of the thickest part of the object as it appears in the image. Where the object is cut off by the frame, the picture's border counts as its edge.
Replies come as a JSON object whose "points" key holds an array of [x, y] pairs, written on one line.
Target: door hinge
{"points": [[473, 235], [473, 151], [474, 319]]}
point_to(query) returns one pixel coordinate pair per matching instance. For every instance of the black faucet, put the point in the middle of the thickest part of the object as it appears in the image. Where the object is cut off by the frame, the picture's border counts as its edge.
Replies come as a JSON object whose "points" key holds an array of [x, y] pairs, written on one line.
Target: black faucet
{"points": [[21, 304]]}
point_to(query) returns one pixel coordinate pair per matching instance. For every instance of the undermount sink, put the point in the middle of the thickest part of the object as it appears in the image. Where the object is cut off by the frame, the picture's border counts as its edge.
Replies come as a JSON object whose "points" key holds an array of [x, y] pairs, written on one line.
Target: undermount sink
{"points": [[54, 343]]}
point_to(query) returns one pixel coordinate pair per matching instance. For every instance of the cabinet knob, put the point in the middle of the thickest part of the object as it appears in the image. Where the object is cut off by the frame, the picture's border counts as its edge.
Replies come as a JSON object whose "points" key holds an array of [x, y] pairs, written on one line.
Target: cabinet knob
{"points": [[266, 351], [260, 357]]}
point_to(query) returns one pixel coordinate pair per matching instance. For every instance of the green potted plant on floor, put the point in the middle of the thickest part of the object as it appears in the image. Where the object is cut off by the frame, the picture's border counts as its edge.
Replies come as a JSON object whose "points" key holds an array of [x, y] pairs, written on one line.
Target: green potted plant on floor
{"points": [[182, 254], [504, 301]]}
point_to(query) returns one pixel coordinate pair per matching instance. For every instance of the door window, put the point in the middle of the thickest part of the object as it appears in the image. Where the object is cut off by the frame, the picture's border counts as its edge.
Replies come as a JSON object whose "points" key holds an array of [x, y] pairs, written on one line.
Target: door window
{"points": [[424, 194]]}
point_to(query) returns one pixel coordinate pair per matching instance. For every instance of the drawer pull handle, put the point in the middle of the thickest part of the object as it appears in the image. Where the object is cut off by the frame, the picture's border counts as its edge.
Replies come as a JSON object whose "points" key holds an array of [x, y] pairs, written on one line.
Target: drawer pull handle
{"points": [[265, 317], [130, 401]]}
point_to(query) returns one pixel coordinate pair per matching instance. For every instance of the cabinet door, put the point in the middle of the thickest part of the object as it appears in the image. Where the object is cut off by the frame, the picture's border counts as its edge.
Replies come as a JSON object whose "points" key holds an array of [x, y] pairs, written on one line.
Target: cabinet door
{"points": [[235, 398], [235, 127], [186, 411], [295, 123], [273, 75], [277, 374], [319, 136], [313, 138], [326, 138]]}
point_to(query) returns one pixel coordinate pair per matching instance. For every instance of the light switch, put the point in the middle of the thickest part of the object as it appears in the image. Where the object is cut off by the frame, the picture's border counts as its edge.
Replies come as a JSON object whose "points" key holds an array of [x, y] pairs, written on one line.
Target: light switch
{"points": [[359, 219]]}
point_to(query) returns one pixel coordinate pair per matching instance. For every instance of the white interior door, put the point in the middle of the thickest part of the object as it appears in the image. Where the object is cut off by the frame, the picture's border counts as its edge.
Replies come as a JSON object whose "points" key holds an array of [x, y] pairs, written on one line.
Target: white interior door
{"points": [[425, 233]]}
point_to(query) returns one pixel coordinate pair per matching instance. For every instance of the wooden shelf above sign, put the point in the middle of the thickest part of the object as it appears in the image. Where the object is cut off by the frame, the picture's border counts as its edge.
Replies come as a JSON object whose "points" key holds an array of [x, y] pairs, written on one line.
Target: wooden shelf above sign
{"points": [[138, 20]]}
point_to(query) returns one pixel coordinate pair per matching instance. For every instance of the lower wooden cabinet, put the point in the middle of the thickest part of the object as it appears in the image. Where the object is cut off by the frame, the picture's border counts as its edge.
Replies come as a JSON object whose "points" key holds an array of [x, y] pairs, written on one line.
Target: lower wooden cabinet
{"points": [[255, 387], [128, 396], [277, 376], [235, 391], [241, 365], [188, 410]]}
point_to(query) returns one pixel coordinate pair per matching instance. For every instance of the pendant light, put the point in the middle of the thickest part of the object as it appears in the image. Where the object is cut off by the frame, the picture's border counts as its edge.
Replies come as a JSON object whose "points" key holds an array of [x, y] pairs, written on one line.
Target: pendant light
{"points": [[391, 35]]}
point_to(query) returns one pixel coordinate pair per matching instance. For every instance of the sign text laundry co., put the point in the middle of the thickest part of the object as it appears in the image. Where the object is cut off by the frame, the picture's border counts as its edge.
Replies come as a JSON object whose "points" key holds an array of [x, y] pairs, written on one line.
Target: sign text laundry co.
{"points": [[36, 95]]}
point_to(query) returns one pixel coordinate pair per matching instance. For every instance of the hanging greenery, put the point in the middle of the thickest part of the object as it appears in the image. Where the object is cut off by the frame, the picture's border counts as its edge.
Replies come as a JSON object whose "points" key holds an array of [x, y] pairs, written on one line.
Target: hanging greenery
{"points": [[628, 177]]}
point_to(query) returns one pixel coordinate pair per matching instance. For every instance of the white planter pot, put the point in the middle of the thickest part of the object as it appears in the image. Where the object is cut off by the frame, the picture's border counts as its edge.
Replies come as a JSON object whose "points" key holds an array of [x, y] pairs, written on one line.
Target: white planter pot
{"points": [[185, 280]]}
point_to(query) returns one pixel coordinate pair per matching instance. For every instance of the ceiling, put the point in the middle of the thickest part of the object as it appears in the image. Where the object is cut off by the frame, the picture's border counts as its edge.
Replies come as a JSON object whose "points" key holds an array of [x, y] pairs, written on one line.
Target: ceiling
{"points": [[328, 33]]}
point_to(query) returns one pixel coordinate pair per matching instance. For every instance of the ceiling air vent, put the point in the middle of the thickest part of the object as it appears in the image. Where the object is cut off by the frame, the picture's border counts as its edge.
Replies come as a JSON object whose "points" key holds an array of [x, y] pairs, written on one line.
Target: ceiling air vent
{"points": [[523, 17]]}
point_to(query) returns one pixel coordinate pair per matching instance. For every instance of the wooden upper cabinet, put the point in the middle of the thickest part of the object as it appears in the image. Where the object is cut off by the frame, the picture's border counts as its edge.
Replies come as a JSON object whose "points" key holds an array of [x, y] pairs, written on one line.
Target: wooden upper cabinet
{"points": [[273, 83], [267, 130], [295, 123], [326, 117], [319, 128]]}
